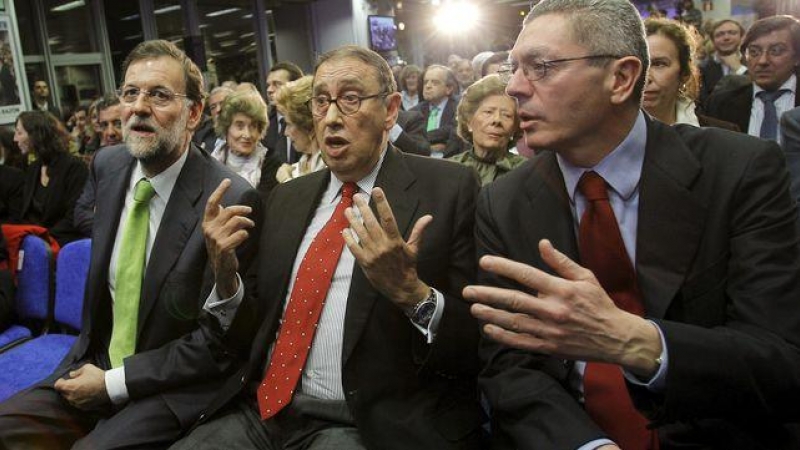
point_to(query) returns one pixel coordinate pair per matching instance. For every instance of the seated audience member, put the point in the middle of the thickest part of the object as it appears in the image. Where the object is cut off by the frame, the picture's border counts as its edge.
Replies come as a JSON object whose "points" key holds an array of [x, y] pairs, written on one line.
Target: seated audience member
{"points": [[488, 122], [439, 110], [55, 180], [206, 136], [639, 281], [408, 83], [772, 53], [10, 154], [292, 101], [243, 122], [464, 74], [141, 371], [109, 129], [386, 355], [671, 87], [726, 37], [81, 132], [493, 63]]}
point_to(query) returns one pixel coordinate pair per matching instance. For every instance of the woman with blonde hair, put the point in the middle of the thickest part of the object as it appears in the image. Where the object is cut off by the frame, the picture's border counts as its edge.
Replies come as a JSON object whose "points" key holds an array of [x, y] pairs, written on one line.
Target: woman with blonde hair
{"points": [[292, 101], [488, 122], [242, 122]]}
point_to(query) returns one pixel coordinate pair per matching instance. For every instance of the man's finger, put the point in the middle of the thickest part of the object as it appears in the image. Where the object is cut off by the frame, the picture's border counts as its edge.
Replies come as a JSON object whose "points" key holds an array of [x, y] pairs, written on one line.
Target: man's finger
{"points": [[524, 274], [385, 214], [506, 299], [370, 222], [415, 239], [522, 341], [562, 264], [357, 229], [212, 205]]}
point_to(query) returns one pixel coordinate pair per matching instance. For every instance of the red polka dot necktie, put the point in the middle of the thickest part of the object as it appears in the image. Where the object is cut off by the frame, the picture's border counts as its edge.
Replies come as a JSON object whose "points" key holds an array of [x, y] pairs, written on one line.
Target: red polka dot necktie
{"points": [[303, 311], [603, 252]]}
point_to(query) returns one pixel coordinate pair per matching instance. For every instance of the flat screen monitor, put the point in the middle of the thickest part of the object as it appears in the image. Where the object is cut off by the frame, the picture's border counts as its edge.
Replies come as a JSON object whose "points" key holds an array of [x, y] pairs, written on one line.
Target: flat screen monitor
{"points": [[382, 33]]}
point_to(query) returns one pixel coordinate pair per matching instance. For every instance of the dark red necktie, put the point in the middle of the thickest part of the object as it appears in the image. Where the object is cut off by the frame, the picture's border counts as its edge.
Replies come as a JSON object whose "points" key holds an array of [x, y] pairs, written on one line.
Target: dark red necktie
{"points": [[603, 252], [303, 311]]}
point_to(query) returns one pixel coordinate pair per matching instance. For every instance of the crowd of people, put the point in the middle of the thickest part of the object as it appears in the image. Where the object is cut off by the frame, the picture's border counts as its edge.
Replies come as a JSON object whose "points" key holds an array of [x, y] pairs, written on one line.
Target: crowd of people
{"points": [[589, 241]]}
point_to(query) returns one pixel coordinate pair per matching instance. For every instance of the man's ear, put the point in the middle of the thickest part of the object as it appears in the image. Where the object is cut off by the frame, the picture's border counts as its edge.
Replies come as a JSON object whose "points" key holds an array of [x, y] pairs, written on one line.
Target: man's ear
{"points": [[625, 73], [393, 102], [195, 115]]}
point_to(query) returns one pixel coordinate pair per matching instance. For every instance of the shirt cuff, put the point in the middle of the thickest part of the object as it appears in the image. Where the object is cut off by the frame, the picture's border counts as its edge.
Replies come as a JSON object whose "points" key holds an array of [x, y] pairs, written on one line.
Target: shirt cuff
{"points": [[433, 325], [597, 443], [395, 132], [658, 383], [115, 385], [224, 309]]}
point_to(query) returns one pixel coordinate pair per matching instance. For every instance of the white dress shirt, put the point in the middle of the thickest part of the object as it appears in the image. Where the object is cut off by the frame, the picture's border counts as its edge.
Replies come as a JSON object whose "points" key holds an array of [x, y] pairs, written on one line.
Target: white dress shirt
{"points": [[784, 103]]}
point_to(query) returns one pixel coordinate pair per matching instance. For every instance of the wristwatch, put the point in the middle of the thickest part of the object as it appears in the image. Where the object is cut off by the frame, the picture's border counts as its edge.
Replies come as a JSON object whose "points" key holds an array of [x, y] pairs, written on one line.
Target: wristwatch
{"points": [[423, 311]]}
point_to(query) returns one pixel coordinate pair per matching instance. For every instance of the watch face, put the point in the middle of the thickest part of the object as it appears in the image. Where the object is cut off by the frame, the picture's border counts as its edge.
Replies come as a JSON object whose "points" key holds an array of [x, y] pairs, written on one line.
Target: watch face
{"points": [[424, 312]]}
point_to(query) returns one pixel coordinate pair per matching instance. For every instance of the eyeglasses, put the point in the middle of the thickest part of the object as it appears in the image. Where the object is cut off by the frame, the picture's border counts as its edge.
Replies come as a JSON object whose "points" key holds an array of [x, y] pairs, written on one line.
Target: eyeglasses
{"points": [[773, 51], [348, 104], [536, 70], [158, 97]]}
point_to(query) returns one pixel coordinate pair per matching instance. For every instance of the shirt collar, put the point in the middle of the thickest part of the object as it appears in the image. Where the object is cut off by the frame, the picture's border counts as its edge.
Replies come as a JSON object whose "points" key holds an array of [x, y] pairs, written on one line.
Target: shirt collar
{"points": [[441, 104], [621, 168], [164, 182], [364, 185], [790, 84]]}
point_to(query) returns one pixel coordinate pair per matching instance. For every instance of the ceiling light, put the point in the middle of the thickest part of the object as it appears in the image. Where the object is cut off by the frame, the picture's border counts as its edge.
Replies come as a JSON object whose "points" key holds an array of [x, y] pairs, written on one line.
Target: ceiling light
{"points": [[68, 6], [222, 12], [167, 9]]}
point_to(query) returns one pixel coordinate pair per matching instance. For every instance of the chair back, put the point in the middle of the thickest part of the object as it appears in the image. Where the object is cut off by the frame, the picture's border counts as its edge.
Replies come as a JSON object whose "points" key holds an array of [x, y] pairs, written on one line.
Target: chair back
{"points": [[34, 279], [72, 269]]}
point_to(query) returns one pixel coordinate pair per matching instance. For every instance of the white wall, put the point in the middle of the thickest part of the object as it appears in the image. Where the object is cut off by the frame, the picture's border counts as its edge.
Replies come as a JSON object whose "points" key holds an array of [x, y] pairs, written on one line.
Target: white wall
{"points": [[293, 33], [338, 22]]}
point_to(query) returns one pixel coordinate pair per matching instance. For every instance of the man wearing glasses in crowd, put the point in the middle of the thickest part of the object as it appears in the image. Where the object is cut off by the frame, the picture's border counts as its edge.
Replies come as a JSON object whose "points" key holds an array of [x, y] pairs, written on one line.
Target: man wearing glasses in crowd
{"points": [[360, 338], [639, 283], [772, 53], [141, 370]]}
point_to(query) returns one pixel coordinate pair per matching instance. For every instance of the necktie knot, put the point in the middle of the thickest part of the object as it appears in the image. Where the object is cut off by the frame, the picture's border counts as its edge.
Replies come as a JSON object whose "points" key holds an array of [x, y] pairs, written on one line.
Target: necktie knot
{"points": [[349, 189], [771, 96], [143, 191], [593, 186]]}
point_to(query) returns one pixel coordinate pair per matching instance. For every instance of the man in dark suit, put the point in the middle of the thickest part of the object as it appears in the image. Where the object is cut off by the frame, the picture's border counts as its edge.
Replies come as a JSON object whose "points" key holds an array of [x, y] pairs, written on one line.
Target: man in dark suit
{"points": [[408, 133], [439, 109], [41, 98], [726, 35], [772, 52], [275, 139], [391, 361], [142, 369], [790, 131], [637, 271]]}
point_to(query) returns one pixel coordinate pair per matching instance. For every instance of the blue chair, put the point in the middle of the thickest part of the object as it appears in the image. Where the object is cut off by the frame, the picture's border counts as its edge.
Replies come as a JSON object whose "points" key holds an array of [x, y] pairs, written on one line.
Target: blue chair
{"points": [[33, 292], [32, 361]]}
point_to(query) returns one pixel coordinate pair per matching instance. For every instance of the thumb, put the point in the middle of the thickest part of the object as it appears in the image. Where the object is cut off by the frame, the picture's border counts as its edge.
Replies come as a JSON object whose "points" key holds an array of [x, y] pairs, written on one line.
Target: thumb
{"points": [[415, 239], [562, 264]]}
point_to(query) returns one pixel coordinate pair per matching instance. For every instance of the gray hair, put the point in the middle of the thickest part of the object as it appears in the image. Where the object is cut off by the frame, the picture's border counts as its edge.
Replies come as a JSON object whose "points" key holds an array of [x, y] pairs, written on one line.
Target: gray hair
{"points": [[376, 61], [604, 27]]}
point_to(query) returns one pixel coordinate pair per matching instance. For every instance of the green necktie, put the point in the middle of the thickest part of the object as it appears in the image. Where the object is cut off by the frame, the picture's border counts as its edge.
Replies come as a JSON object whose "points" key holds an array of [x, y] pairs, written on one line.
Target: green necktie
{"points": [[432, 116], [130, 273]]}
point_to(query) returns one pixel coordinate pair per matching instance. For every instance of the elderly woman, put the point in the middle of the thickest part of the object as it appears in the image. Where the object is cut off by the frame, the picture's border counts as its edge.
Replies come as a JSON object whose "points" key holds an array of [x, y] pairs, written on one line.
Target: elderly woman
{"points": [[488, 122], [408, 82], [673, 81], [242, 122], [292, 101], [55, 180]]}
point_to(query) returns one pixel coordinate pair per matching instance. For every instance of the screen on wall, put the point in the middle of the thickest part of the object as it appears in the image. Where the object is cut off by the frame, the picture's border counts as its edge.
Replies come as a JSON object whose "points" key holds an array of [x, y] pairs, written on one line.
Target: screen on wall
{"points": [[382, 33]]}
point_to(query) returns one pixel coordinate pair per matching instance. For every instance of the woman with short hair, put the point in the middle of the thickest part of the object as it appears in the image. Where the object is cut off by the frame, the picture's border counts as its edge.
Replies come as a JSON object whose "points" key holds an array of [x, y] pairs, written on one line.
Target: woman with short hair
{"points": [[242, 122]]}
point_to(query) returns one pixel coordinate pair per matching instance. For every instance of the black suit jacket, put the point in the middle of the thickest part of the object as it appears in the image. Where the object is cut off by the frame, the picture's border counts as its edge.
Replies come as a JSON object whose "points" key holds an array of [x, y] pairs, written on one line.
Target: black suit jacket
{"points": [[412, 139], [275, 141], [734, 105], [447, 123], [174, 358], [67, 177], [402, 392], [790, 130], [718, 263]]}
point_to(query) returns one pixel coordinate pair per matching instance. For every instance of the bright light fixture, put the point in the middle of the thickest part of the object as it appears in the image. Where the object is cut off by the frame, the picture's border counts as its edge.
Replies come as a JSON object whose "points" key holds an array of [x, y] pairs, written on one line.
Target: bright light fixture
{"points": [[455, 17], [222, 12], [68, 6], [167, 9]]}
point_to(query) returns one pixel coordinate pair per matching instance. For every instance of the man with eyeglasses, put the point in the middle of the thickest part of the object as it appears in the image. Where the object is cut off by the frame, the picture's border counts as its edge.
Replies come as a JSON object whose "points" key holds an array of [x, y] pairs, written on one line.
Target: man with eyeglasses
{"points": [[387, 358], [772, 53], [638, 283], [142, 369]]}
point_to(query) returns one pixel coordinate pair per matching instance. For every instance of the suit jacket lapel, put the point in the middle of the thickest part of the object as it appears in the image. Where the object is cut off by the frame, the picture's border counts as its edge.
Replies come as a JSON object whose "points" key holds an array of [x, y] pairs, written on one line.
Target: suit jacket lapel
{"points": [[667, 237], [179, 220], [397, 181]]}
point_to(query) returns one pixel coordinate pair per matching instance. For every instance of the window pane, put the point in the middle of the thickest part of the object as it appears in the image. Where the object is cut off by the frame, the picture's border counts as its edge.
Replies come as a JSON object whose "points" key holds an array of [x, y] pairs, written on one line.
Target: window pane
{"points": [[69, 26], [124, 31], [229, 39]]}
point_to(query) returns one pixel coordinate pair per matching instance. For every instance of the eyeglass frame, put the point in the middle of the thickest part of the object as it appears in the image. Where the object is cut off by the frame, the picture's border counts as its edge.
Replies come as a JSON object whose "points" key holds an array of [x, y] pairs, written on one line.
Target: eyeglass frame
{"points": [[335, 100], [148, 95], [783, 49], [507, 69]]}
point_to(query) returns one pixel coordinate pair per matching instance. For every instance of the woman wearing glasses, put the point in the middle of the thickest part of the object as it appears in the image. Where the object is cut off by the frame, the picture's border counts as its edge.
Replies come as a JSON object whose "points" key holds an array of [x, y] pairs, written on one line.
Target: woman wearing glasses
{"points": [[488, 122], [243, 122], [293, 102], [673, 81]]}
